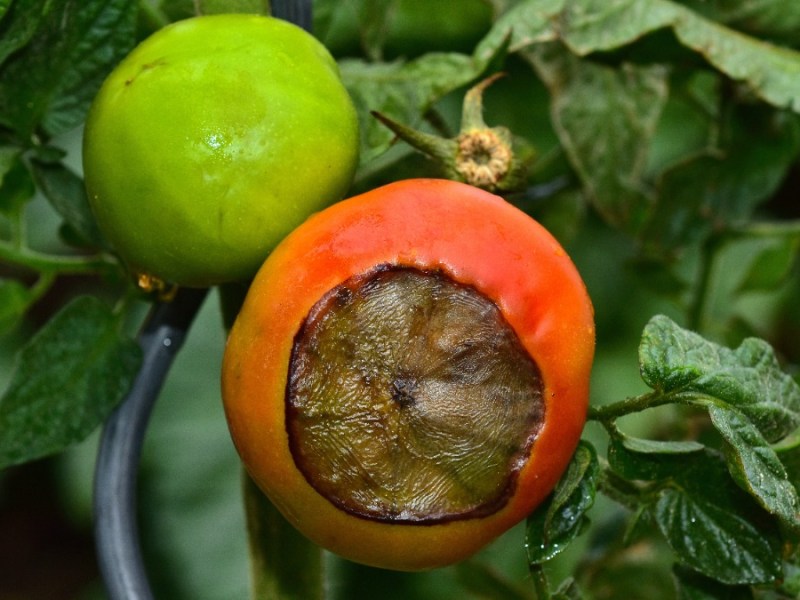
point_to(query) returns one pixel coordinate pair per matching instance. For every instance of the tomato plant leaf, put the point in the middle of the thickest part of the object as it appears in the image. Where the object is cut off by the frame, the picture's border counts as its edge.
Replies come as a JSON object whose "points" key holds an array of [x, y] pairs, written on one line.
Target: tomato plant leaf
{"points": [[66, 380], [607, 139], [525, 24], [51, 81], [717, 542], [694, 586], [772, 264], [655, 460], [680, 362], [66, 193], [788, 452], [773, 19], [723, 185], [587, 26], [770, 71], [755, 466], [562, 517], [706, 518], [20, 21]]}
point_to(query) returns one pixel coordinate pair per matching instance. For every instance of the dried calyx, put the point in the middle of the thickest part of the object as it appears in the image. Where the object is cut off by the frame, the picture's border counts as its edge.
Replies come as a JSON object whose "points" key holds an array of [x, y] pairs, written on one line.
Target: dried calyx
{"points": [[486, 157]]}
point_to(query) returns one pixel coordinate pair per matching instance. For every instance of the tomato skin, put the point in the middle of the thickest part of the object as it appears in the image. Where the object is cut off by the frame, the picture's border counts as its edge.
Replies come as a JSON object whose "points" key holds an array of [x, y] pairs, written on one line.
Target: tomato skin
{"points": [[211, 141], [477, 239]]}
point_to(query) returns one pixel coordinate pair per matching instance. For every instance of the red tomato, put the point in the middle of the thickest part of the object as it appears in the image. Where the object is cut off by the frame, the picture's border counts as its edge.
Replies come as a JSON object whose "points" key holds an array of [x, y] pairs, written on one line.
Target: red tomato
{"points": [[327, 400]]}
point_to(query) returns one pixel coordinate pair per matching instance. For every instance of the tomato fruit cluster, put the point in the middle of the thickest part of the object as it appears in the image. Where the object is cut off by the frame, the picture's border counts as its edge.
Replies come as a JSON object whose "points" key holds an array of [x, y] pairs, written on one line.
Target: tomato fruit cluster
{"points": [[212, 140], [408, 376]]}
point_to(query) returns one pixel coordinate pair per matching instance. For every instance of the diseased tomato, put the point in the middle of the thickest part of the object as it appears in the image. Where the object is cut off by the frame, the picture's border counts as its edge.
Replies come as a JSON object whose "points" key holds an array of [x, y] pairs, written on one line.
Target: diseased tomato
{"points": [[211, 141], [409, 374]]}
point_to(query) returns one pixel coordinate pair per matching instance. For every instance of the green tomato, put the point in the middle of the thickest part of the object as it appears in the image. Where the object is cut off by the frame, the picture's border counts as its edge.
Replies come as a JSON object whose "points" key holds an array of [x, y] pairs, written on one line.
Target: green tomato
{"points": [[211, 141]]}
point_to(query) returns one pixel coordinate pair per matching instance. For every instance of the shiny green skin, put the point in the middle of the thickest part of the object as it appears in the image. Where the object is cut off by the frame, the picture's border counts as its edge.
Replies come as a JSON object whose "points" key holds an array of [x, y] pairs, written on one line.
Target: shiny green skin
{"points": [[211, 141]]}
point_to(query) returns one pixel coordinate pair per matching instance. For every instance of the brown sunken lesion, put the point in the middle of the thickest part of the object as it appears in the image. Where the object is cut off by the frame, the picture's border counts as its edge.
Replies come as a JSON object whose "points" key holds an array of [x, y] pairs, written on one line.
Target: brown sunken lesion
{"points": [[411, 399]]}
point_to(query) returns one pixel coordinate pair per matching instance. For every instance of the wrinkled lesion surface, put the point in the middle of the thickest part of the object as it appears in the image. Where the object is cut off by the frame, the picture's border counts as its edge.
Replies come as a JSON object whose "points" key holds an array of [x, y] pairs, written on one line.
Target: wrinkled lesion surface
{"points": [[411, 399]]}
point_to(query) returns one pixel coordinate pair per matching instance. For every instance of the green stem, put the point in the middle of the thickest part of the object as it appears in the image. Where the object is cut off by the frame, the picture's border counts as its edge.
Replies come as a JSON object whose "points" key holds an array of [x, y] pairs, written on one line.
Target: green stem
{"points": [[609, 412], [619, 489], [697, 305], [541, 586], [284, 564], [48, 263]]}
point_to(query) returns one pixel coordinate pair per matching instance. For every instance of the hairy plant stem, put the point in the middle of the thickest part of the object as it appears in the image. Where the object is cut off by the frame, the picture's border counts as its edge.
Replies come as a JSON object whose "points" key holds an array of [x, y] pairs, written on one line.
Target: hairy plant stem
{"points": [[609, 412], [618, 489], [51, 264], [541, 586]]}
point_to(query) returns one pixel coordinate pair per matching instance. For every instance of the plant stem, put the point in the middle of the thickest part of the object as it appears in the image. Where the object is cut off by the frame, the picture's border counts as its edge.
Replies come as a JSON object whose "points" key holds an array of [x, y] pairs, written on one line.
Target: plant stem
{"points": [[619, 489], [48, 263], [609, 412], [284, 564], [541, 586]]}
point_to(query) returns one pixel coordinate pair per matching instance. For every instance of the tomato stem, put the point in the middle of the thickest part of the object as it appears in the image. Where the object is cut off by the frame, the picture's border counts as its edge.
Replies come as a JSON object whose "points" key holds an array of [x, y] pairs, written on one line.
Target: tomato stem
{"points": [[48, 263], [609, 412], [541, 586], [285, 565]]}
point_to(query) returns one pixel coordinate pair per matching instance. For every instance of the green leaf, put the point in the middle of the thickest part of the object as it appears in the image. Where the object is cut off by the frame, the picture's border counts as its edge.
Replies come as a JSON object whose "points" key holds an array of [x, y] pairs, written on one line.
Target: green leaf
{"points": [[772, 265], [755, 466], [52, 80], [67, 194], [693, 586], [20, 21], [527, 23], [772, 72], [645, 446], [562, 517], [587, 26], [66, 381], [686, 462], [722, 185], [716, 542], [606, 119], [682, 363], [704, 477], [14, 300], [788, 452], [402, 91], [773, 19]]}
